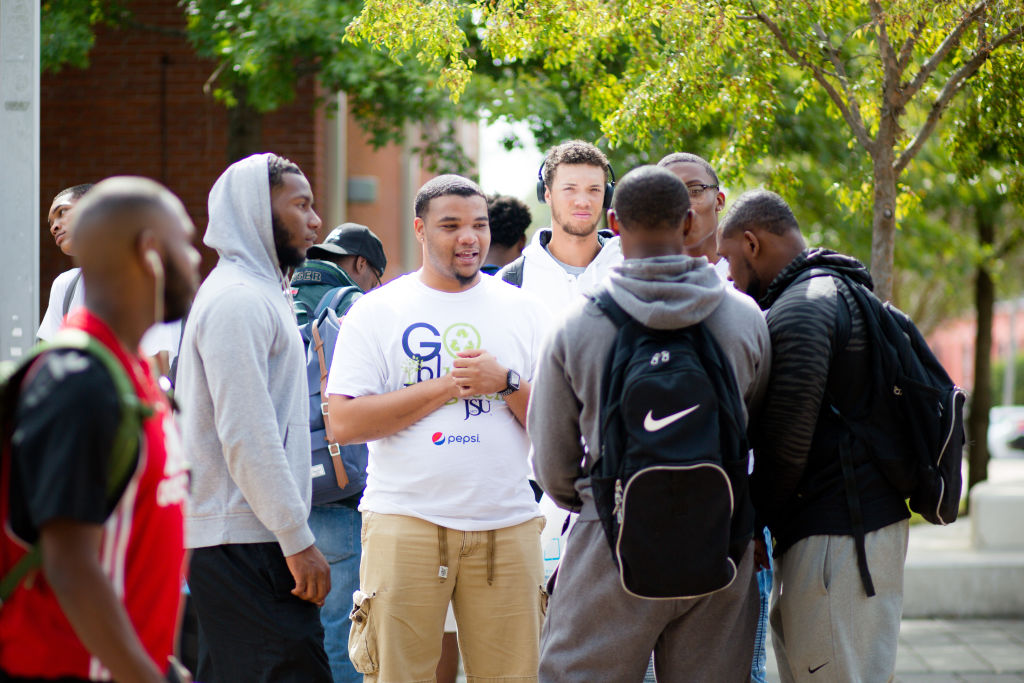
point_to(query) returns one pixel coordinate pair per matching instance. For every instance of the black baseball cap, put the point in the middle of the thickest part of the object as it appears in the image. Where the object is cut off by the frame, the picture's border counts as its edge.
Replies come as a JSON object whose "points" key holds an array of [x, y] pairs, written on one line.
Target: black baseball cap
{"points": [[352, 239]]}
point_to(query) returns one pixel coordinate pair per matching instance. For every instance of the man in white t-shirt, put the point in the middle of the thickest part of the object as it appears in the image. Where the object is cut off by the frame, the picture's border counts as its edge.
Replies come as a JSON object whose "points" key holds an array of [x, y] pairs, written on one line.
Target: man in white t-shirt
{"points": [[433, 370], [68, 293]]}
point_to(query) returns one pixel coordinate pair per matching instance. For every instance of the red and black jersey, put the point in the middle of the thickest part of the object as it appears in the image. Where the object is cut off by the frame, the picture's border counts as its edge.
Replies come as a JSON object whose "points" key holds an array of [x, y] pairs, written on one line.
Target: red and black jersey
{"points": [[66, 418]]}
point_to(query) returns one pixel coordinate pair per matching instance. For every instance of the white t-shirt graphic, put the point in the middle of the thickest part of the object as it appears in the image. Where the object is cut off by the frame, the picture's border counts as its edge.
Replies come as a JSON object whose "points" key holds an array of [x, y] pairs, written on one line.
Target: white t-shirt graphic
{"points": [[464, 466]]}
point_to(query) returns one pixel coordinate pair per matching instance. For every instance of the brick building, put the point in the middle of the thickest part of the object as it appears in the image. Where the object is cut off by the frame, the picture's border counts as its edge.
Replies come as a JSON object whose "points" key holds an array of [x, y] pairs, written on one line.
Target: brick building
{"points": [[953, 341], [140, 109]]}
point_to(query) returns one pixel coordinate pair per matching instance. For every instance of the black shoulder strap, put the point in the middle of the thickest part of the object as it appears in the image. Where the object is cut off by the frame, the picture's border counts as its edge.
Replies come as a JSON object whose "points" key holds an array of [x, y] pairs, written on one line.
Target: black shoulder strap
{"points": [[603, 298], [71, 291], [844, 325], [514, 272]]}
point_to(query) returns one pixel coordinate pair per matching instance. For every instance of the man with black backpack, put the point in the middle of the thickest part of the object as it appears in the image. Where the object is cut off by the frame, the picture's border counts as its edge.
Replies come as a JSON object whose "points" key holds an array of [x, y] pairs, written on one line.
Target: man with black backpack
{"points": [[638, 420], [831, 511], [349, 262], [95, 479]]}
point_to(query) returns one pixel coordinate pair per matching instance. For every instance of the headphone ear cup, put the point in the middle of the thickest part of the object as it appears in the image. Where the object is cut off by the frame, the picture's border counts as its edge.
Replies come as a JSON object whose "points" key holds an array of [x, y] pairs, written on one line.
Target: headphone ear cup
{"points": [[540, 191], [609, 190]]}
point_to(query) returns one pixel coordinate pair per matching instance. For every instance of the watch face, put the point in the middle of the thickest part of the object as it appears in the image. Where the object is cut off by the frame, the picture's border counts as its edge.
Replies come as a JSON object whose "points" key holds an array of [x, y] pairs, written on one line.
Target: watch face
{"points": [[511, 384]]}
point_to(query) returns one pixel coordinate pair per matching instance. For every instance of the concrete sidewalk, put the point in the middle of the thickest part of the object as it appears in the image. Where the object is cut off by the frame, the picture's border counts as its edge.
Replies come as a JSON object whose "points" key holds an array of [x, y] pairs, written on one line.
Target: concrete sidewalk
{"points": [[948, 650]]}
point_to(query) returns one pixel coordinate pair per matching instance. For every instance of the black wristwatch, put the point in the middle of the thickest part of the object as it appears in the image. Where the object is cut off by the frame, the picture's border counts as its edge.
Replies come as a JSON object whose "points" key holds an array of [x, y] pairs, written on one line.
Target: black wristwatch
{"points": [[511, 384]]}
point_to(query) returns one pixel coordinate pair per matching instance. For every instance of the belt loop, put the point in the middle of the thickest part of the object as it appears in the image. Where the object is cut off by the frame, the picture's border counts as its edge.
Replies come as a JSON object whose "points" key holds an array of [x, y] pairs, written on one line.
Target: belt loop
{"points": [[442, 546], [490, 557]]}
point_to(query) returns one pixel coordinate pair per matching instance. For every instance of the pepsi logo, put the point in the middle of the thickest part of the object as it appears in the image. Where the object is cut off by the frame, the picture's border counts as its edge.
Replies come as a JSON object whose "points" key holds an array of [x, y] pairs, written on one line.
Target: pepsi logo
{"points": [[438, 439]]}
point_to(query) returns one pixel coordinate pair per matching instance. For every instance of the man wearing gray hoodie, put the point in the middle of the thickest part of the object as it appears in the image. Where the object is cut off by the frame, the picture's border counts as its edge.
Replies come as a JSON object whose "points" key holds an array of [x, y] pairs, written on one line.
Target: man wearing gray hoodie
{"points": [[256, 576], [709, 638]]}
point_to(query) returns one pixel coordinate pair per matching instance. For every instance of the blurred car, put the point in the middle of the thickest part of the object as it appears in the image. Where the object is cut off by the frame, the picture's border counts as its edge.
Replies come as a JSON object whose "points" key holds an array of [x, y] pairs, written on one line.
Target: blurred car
{"points": [[1006, 432]]}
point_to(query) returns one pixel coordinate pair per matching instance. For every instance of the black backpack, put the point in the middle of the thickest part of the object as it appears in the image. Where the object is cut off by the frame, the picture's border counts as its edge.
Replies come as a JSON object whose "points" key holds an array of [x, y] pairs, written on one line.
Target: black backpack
{"points": [[913, 422], [671, 481]]}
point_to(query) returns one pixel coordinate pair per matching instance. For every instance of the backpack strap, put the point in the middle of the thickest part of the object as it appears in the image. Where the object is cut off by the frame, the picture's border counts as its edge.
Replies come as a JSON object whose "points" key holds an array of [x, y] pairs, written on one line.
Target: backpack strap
{"points": [[120, 465], [332, 446], [514, 272], [841, 337], [607, 305], [334, 299], [71, 292]]}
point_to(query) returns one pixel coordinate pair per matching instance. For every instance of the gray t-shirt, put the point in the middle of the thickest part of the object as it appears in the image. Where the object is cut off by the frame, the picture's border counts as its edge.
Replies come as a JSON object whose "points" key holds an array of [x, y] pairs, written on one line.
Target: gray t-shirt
{"points": [[575, 271]]}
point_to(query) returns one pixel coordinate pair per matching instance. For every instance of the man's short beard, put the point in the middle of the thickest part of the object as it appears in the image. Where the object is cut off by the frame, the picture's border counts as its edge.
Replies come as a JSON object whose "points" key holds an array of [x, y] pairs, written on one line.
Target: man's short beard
{"points": [[465, 279], [755, 288], [287, 255], [577, 231]]}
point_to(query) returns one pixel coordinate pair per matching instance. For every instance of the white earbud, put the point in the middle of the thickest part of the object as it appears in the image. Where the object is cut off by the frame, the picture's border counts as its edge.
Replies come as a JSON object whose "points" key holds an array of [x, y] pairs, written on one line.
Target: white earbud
{"points": [[156, 266]]}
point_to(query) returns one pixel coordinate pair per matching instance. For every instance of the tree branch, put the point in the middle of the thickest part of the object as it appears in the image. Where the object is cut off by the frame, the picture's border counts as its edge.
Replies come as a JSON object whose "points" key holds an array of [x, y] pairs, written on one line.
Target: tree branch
{"points": [[856, 125], [907, 51], [949, 91], [890, 64], [941, 52], [1012, 241], [840, 75]]}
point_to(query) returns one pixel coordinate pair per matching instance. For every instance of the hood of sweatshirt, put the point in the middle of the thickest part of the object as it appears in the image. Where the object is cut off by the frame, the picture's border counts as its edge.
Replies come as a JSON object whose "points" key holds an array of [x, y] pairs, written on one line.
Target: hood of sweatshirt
{"points": [[667, 292], [240, 224], [537, 254], [815, 258]]}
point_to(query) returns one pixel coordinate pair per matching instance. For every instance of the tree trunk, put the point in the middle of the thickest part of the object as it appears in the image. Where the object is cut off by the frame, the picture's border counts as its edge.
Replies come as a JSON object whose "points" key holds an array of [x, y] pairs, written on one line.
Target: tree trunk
{"points": [[883, 223], [245, 128], [981, 396]]}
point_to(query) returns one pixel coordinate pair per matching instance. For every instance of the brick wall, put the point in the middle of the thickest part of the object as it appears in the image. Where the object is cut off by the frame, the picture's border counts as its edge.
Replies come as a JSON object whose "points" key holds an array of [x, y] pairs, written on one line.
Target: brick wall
{"points": [[140, 109]]}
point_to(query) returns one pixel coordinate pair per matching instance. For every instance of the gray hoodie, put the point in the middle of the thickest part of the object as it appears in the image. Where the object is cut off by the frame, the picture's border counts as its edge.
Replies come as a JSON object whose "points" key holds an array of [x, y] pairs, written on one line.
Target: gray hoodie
{"points": [[665, 292], [242, 381]]}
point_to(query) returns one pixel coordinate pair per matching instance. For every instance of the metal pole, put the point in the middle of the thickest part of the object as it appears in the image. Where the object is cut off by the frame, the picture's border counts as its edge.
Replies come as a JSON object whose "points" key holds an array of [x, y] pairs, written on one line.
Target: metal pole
{"points": [[19, 176]]}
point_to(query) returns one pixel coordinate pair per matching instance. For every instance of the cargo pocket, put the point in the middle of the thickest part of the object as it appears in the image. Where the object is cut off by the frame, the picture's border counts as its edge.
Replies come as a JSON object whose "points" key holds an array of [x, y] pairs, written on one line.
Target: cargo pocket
{"points": [[362, 638]]}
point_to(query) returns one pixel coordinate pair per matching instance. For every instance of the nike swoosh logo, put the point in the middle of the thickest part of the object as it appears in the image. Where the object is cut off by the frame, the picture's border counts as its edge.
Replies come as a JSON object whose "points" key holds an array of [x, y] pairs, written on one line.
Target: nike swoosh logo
{"points": [[653, 424], [815, 669]]}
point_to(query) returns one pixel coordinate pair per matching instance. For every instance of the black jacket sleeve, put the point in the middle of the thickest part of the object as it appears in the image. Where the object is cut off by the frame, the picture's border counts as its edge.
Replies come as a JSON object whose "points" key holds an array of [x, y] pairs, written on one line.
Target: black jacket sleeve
{"points": [[801, 324]]}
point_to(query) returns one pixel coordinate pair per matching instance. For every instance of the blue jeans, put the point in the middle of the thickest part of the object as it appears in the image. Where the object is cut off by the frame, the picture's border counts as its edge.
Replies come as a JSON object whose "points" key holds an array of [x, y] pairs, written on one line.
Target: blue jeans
{"points": [[758, 671], [337, 530]]}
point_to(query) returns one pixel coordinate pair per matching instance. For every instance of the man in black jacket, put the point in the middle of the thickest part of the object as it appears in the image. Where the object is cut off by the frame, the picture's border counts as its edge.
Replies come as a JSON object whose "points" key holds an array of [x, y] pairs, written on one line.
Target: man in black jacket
{"points": [[832, 619]]}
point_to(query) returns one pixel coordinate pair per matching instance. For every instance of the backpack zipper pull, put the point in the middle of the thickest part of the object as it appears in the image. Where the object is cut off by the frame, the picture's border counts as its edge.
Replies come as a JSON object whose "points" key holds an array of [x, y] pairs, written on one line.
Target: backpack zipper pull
{"points": [[617, 510]]}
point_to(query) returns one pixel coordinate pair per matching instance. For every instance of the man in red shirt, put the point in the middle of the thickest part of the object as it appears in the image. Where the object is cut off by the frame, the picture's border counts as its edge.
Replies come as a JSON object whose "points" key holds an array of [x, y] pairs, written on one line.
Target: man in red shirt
{"points": [[106, 602]]}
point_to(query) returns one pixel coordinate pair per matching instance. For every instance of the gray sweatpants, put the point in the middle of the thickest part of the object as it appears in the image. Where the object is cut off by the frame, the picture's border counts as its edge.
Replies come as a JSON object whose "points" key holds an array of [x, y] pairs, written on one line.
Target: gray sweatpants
{"points": [[824, 626], [595, 631]]}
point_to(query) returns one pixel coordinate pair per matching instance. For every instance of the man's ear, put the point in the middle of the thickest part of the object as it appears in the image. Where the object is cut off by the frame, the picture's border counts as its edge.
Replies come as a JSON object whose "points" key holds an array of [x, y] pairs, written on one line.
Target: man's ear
{"points": [[752, 243], [148, 247], [360, 265], [417, 227], [613, 222], [687, 223]]}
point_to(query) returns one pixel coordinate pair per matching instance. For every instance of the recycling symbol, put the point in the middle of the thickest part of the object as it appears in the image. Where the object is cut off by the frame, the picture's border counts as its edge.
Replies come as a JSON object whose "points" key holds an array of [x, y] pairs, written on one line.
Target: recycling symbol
{"points": [[461, 337]]}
